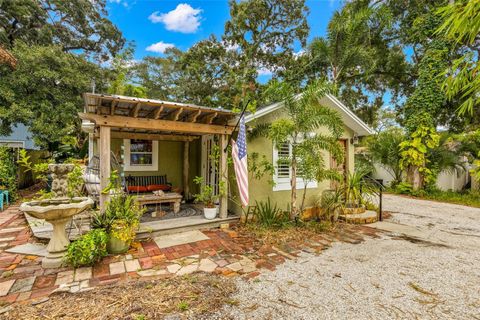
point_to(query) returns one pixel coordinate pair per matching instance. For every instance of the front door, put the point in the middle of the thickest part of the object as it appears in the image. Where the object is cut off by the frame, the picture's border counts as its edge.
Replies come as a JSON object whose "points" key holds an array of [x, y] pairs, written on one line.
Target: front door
{"points": [[341, 167], [210, 172]]}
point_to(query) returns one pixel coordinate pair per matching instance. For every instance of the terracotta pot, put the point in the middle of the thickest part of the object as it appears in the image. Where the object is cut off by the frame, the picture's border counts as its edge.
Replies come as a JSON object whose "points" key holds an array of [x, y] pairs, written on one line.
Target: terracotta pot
{"points": [[116, 246], [210, 213]]}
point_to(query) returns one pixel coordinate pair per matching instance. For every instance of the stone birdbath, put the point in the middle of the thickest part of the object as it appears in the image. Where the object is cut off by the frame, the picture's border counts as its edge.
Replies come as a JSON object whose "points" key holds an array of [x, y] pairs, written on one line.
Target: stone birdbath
{"points": [[57, 211]]}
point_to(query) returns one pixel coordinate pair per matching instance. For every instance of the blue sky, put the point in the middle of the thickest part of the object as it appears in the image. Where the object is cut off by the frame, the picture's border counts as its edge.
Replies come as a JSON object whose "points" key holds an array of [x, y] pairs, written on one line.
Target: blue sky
{"points": [[157, 24]]}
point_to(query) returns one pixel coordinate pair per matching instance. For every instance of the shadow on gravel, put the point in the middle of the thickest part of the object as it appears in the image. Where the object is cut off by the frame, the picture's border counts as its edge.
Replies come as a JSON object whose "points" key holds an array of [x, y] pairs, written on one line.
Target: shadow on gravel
{"points": [[419, 241]]}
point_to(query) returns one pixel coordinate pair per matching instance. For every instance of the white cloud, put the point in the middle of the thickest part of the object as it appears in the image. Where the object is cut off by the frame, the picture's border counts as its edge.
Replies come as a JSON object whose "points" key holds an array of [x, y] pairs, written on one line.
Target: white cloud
{"points": [[159, 47], [264, 71], [183, 18]]}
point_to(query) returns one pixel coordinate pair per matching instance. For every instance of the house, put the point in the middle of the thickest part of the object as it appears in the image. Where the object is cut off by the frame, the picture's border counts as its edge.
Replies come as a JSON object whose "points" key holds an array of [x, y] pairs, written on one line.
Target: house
{"points": [[20, 138], [279, 193], [154, 138]]}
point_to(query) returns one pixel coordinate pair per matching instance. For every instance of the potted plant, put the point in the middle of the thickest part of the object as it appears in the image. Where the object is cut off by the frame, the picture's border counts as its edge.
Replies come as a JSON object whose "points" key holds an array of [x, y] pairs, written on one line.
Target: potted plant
{"points": [[208, 197], [120, 221]]}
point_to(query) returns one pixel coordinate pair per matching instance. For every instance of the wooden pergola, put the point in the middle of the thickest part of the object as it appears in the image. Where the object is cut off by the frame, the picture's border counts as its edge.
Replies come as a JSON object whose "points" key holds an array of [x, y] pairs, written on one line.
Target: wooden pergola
{"points": [[115, 116]]}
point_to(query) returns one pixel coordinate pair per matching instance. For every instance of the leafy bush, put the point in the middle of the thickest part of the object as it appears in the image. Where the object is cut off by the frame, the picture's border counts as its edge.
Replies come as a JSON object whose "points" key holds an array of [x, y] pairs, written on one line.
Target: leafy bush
{"points": [[404, 188], [269, 215], [8, 172], [331, 202], [121, 217], [407, 188], [88, 249]]}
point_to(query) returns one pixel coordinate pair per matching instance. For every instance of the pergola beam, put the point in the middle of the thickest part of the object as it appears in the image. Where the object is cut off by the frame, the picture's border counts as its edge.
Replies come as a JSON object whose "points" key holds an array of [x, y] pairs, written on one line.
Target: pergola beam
{"points": [[209, 118], [176, 114], [151, 124], [158, 112], [135, 110], [150, 136], [194, 116]]}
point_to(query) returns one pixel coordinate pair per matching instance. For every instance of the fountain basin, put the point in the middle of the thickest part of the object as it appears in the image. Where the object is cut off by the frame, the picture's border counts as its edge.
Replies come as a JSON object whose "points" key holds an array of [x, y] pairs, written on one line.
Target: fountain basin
{"points": [[58, 212]]}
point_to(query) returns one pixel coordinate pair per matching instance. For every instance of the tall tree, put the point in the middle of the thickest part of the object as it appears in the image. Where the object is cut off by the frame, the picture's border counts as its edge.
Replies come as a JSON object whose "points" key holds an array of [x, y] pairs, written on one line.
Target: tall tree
{"points": [[461, 24], [44, 92], [72, 25], [54, 43], [358, 57], [263, 34]]}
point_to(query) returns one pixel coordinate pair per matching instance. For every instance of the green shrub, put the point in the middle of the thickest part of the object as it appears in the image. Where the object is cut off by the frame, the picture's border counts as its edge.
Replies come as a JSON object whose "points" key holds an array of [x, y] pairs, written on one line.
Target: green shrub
{"points": [[269, 215], [88, 249], [8, 172], [404, 188]]}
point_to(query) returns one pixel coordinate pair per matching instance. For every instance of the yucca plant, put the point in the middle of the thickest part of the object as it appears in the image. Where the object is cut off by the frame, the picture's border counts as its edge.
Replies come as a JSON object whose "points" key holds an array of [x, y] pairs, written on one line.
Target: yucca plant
{"points": [[269, 215]]}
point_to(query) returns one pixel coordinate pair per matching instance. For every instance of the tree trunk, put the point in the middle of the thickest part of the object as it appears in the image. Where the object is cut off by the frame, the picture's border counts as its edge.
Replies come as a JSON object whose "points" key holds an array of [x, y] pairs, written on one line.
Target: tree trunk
{"points": [[303, 197], [414, 178], [293, 184]]}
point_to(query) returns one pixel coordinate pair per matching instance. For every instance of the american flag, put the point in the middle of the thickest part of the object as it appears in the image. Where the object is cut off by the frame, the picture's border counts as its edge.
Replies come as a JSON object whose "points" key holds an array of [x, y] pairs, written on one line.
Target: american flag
{"points": [[239, 154]]}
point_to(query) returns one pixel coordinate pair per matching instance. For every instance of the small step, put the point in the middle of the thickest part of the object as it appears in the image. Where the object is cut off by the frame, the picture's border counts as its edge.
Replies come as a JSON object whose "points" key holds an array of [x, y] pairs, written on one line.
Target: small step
{"points": [[360, 218], [170, 226]]}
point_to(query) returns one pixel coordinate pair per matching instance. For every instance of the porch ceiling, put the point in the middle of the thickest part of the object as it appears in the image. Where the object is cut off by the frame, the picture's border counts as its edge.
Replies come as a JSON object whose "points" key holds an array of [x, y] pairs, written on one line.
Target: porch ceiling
{"points": [[130, 114]]}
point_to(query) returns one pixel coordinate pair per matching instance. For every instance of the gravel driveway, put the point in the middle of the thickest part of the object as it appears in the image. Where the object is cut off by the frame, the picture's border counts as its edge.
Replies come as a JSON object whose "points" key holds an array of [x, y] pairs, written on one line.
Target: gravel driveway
{"points": [[427, 266]]}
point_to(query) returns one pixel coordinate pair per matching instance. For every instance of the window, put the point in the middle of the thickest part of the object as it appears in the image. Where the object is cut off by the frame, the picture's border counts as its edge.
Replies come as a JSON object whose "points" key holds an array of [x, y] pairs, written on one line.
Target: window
{"points": [[283, 172], [140, 155]]}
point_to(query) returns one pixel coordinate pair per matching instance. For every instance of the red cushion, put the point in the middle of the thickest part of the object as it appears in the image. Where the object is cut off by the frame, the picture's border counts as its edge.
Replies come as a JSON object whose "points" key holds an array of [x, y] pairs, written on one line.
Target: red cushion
{"points": [[137, 189], [155, 187]]}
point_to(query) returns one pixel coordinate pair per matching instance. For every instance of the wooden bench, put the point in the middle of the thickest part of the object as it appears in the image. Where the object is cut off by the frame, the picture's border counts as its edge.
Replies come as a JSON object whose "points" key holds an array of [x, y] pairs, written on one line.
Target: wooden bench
{"points": [[173, 198], [145, 181]]}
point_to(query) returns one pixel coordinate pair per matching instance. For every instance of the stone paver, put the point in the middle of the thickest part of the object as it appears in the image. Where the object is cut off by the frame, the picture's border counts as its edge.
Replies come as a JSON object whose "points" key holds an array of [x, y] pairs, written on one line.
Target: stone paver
{"points": [[117, 267], [83, 274], [5, 287], [191, 268], [132, 265], [236, 266], [207, 265], [152, 273], [173, 268], [23, 285], [64, 277]]}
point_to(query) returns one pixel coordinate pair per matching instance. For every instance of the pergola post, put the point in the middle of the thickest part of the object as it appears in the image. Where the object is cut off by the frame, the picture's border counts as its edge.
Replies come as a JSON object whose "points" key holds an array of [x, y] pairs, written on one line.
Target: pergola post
{"points": [[224, 175], [104, 155], [186, 156]]}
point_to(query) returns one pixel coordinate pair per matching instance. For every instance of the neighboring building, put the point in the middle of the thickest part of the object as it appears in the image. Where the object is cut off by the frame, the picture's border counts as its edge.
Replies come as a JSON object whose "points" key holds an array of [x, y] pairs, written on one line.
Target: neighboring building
{"points": [[20, 138], [261, 190]]}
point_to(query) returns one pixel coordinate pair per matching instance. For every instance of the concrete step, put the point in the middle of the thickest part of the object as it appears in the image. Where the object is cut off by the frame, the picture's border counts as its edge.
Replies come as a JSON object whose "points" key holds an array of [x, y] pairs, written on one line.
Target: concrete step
{"points": [[170, 226], [368, 216]]}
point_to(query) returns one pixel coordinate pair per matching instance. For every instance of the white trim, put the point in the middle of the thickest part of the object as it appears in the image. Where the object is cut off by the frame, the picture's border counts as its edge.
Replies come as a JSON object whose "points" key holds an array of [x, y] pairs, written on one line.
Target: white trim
{"points": [[362, 129], [350, 113], [128, 167], [12, 144], [283, 184]]}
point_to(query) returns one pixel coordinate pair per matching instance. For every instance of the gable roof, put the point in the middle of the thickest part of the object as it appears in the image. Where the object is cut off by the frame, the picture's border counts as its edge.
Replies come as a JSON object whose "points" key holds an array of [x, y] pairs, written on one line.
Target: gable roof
{"points": [[350, 119]]}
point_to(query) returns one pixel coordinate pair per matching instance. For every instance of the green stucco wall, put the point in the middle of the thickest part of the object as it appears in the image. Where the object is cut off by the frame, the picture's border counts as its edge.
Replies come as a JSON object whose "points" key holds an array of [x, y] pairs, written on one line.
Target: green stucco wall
{"points": [[170, 161], [261, 190]]}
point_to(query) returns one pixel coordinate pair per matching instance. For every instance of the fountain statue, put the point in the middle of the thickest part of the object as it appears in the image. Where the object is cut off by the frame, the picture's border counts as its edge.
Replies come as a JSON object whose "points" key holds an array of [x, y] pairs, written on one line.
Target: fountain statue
{"points": [[57, 211]]}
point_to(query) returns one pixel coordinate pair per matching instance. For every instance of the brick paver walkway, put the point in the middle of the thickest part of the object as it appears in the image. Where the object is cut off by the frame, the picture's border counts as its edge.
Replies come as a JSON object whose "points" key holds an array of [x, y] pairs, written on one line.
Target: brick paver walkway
{"points": [[226, 252]]}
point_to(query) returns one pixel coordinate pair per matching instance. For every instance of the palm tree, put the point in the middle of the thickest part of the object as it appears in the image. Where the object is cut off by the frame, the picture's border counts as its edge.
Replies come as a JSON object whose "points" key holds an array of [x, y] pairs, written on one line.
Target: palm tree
{"points": [[304, 116], [384, 148]]}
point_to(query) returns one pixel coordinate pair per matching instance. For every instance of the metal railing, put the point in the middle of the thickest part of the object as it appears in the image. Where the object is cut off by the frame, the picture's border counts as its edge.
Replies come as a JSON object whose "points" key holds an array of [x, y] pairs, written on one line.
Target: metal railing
{"points": [[378, 188]]}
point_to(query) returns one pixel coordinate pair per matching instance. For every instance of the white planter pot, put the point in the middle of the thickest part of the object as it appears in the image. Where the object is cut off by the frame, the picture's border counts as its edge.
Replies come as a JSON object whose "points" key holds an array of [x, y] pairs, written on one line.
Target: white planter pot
{"points": [[210, 213]]}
